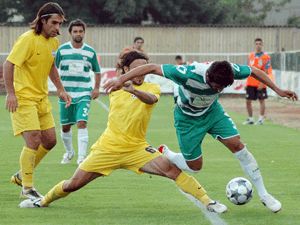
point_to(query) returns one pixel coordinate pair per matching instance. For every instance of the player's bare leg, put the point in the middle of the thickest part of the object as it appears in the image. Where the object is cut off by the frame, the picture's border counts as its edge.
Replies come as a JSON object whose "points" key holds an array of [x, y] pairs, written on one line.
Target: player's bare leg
{"points": [[262, 109], [62, 189], [250, 119], [187, 184], [250, 167]]}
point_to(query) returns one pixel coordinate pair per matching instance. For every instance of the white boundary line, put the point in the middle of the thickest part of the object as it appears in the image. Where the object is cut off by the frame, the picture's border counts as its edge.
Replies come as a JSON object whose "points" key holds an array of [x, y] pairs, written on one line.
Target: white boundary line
{"points": [[105, 107], [213, 218]]}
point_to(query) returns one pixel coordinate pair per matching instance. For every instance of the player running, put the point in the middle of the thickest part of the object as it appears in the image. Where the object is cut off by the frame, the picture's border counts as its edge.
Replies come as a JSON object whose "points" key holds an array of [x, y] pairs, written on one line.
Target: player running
{"points": [[198, 112], [123, 144]]}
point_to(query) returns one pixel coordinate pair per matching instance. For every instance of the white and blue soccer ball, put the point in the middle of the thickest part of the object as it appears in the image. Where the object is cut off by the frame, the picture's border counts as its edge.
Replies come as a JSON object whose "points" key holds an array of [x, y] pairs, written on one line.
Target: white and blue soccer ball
{"points": [[239, 191]]}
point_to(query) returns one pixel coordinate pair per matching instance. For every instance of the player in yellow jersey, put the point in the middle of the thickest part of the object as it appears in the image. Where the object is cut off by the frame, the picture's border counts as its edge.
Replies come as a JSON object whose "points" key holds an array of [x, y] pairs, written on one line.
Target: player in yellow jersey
{"points": [[26, 72], [123, 144]]}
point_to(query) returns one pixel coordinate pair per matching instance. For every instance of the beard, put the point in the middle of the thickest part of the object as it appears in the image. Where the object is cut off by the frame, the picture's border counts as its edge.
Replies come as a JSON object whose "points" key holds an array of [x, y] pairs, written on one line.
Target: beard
{"points": [[77, 39]]}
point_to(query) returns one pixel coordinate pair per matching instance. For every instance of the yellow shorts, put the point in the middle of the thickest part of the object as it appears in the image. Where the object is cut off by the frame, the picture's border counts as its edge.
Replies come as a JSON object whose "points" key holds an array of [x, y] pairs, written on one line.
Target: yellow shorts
{"points": [[105, 160], [32, 115]]}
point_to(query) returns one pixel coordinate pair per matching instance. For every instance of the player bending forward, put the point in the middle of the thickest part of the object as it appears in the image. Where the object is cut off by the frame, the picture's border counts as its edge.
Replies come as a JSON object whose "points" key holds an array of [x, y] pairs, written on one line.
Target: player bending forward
{"points": [[198, 112], [123, 144]]}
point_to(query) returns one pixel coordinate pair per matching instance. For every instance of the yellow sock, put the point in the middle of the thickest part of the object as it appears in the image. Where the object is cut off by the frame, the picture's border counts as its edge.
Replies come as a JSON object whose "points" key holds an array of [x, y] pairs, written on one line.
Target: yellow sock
{"points": [[191, 186], [41, 152], [27, 159], [55, 193]]}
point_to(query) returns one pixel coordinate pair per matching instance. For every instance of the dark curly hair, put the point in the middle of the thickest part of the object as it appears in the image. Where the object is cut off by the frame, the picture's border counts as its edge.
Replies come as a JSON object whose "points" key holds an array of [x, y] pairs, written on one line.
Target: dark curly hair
{"points": [[127, 57], [221, 72]]}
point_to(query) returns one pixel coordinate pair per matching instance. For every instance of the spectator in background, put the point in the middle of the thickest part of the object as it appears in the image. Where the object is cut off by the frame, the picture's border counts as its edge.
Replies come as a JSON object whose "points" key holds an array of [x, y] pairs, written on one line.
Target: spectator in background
{"points": [[138, 43], [254, 88], [179, 60]]}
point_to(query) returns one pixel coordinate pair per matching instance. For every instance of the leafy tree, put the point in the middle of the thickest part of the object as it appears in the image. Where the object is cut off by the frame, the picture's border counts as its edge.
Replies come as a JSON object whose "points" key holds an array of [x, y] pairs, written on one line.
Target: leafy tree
{"points": [[236, 12]]}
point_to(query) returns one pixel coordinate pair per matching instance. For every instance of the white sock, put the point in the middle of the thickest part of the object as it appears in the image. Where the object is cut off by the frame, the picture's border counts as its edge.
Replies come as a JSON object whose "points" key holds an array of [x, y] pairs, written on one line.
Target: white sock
{"points": [[261, 118], [67, 140], [250, 167], [83, 139], [251, 119], [178, 160]]}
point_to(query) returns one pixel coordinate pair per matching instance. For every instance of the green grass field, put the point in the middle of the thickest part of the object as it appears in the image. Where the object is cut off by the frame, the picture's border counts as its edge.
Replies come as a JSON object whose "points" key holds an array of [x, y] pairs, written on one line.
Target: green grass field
{"points": [[127, 198]]}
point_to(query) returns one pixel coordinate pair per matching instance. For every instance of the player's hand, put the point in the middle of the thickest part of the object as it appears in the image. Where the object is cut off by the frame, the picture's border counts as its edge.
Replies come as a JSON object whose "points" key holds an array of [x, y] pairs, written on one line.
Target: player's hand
{"points": [[127, 86], [66, 97], [288, 94], [113, 84], [11, 103], [95, 93]]}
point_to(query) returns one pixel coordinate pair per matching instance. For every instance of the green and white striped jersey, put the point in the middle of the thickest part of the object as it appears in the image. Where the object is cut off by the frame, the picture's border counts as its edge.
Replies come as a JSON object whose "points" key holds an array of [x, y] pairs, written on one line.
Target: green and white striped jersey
{"points": [[195, 95], [74, 66]]}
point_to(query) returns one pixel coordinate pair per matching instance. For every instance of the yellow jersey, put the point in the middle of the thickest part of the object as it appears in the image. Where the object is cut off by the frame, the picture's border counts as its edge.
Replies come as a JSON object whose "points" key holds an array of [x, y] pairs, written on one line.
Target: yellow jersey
{"points": [[128, 120], [33, 56]]}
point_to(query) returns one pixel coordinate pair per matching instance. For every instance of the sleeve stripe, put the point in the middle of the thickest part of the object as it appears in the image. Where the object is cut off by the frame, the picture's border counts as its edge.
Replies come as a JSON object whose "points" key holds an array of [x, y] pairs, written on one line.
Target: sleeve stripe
{"points": [[162, 70]]}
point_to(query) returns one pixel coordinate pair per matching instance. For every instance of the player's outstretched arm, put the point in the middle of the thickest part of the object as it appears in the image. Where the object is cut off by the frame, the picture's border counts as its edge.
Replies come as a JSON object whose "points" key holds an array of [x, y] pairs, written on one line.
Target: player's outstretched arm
{"points": [[60, 88], [117, 83], [263, 77]]}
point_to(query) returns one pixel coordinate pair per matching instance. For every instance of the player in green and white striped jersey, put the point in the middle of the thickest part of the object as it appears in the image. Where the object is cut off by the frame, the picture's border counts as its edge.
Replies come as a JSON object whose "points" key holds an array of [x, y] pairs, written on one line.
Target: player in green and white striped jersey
{"points": [[198, 112], [75, 60]]}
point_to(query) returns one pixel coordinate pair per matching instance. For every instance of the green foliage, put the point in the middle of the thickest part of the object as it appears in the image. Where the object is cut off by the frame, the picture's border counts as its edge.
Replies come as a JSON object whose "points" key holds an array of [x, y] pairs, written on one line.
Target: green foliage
{"points": [[249, 12], [294, 21], [236, 12]]}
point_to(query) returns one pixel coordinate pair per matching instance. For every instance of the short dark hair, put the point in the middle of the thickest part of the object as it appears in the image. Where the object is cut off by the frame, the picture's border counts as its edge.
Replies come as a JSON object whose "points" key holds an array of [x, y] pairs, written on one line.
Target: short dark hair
{"points": [[221, 72], [45, 12], [76, 23], [258, 39], [138, 38], [178, 57], [128, 57]]}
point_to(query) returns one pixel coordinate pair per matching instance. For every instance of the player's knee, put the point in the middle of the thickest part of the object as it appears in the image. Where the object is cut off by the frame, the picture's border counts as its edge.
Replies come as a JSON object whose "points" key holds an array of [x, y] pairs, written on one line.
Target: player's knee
{"points": [[33, 140], [237, 146], [66, 129], [49, 141], [195, 166], [52, 142], [81, 125]]}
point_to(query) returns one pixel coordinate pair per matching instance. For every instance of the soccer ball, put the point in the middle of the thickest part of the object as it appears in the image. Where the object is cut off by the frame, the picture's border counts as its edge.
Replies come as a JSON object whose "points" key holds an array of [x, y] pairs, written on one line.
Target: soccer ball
{"points": [[239, 191]]}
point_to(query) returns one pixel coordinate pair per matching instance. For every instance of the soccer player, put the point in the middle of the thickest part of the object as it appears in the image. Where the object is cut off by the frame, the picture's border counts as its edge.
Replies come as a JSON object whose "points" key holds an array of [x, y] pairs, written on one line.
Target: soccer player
{"points": [[123, 144], [198, 112], [75, 60], [254, 88], [26, 72]]}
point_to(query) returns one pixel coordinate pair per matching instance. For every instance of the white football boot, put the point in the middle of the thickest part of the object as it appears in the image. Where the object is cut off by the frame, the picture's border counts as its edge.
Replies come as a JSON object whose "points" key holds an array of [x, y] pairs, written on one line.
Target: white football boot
{"points": [[31, 203], [271, 203], [67, 157]]}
